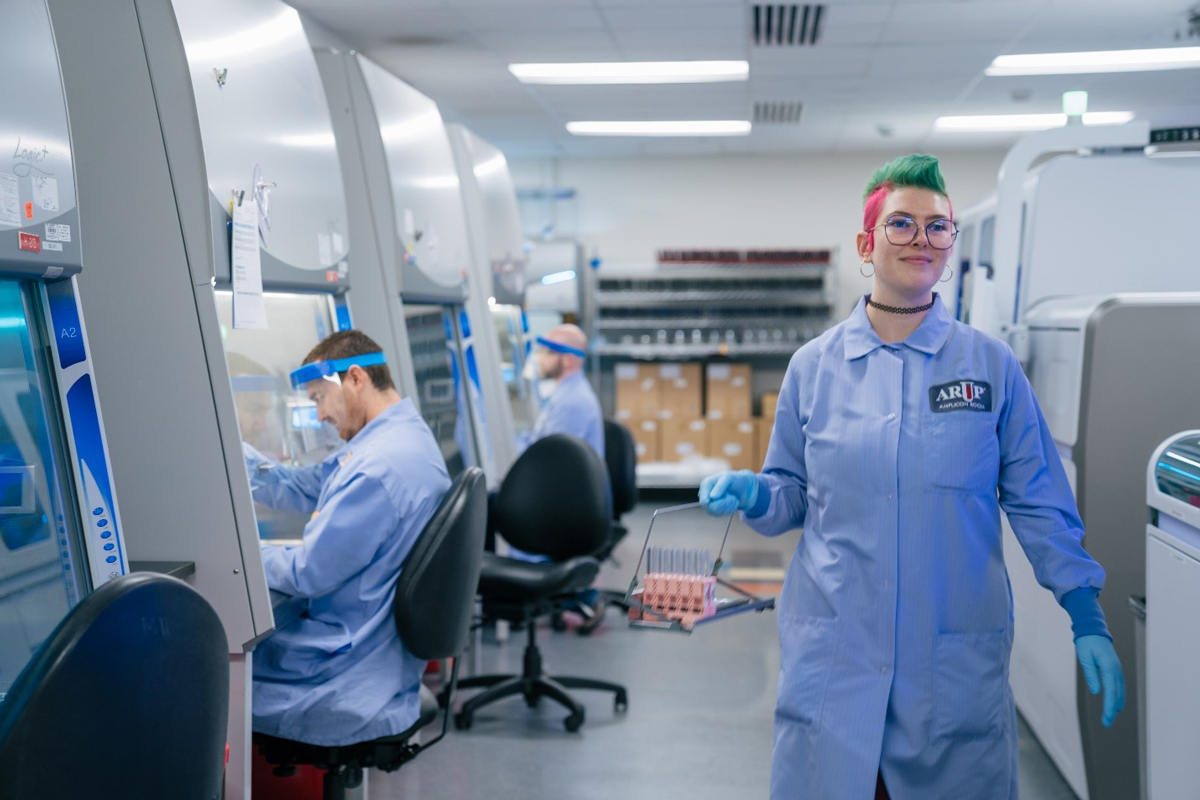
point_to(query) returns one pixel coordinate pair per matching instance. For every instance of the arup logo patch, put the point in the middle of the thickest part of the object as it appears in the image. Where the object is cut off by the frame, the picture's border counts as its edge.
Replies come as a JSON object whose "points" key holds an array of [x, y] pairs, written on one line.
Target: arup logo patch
{"points": [[964, 395]]}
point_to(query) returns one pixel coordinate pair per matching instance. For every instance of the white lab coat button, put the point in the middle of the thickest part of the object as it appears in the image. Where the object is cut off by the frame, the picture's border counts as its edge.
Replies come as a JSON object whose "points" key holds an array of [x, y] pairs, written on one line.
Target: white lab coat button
{"points": [[889, 497], [891, 416]]}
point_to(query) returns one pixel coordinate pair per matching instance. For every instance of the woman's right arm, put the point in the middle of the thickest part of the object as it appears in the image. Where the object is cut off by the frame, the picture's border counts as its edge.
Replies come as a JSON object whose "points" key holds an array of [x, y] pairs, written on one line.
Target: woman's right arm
{"points": [[782, 501]]}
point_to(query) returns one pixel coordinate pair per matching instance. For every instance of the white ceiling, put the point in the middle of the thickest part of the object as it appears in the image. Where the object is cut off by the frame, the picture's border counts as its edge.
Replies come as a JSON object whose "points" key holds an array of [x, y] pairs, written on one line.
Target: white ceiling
{"points": [[898, 64]]}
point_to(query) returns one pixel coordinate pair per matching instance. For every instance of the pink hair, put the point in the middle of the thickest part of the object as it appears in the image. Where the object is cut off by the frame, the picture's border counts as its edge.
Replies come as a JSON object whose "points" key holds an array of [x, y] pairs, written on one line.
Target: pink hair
{"points": [[873, 205]]}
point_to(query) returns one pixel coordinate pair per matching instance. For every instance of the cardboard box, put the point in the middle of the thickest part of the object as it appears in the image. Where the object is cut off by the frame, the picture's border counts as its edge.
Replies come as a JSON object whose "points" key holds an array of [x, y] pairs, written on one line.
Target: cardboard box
{"points": [[728, 395], [770, 400], [646, 439], [637, 392], [684, 438], [736, 441], [765, 428], [679, 391]]}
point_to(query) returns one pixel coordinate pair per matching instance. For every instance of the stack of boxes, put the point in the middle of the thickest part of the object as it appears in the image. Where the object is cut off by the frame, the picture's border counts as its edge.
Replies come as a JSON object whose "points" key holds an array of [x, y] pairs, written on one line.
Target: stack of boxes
{"points": [[674, 416]]}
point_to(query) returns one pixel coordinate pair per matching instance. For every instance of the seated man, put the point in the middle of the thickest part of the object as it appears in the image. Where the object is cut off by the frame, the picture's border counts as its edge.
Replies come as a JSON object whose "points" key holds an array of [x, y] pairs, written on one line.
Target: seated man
{"points": [[573, 406], [340, 674]]}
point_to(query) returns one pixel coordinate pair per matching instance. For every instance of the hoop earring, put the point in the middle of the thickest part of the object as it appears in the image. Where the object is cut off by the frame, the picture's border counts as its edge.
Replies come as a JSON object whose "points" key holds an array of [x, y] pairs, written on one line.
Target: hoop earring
{"points": [[863, 264], [948, 277]]}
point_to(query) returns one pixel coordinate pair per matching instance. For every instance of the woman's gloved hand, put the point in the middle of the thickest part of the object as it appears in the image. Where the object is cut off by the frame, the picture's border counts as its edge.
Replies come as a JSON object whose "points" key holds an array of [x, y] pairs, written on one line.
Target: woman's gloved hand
{"points": [[1102, 668], [726, 492]]}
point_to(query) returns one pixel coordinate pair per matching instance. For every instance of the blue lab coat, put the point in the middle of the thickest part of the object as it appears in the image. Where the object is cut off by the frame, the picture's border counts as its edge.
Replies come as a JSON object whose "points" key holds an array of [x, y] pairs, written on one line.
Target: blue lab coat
{"points": [[340, 674], [895, 622], [573, 408]]}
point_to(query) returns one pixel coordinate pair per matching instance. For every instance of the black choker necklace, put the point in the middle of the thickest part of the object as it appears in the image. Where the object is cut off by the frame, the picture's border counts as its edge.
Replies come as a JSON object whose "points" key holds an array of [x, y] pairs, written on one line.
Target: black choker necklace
{"points": [[902, 309]]}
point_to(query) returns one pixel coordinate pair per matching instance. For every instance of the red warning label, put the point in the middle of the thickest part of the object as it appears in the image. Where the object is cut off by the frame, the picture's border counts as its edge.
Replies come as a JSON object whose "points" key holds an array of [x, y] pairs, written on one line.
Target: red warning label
{"points": [[30, 241], [29, 211]]}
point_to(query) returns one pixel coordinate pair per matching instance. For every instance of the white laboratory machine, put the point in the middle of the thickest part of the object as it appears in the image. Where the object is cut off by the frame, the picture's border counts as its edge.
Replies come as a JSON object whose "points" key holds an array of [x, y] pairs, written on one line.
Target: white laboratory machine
{"points": [[1172, 625], [400, 167], [61, 532], [1113, 374]]}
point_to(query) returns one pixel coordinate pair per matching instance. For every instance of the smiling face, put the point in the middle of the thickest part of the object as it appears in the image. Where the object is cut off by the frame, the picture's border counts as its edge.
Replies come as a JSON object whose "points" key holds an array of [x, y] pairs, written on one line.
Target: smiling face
{"points": [[905, 274]]}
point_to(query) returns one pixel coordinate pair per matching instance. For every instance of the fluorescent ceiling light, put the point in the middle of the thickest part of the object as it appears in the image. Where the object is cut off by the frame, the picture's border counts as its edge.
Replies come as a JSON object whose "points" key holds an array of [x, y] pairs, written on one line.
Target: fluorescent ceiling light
{"points": [[1026, 122], [700, 127], [1096, 61], [633, 72], [558, 277]]}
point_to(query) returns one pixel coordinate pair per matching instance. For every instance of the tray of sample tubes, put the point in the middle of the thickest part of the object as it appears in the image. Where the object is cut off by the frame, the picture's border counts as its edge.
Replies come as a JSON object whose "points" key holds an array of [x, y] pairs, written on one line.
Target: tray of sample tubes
{"points": [[679, 590]]}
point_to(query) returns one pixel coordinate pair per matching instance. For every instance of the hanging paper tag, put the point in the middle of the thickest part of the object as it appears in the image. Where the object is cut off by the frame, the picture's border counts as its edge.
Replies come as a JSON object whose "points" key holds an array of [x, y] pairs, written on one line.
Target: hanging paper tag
{"points": [[249, 311]]}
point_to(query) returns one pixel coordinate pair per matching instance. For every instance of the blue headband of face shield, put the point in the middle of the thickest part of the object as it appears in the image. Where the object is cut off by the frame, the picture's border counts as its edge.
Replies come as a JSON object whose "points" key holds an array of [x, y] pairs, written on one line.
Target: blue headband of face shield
{"points": [[323, 369], [560, 348]]}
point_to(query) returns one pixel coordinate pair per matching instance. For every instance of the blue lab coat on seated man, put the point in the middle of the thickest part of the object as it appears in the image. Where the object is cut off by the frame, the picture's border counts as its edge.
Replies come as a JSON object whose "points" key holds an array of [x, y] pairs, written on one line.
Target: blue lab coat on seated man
{"points": [[340, 674]]}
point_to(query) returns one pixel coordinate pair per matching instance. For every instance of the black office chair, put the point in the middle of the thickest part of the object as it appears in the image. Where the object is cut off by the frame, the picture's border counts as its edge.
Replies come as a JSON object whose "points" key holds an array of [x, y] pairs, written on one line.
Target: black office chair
{"points": [[620, 455], [127, 698], [433, 609], [553, 502]]}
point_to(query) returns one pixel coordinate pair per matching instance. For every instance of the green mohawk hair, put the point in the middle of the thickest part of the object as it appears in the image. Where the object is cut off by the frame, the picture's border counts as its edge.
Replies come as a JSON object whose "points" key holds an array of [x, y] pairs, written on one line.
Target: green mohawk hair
{"points": [[918, 169]]}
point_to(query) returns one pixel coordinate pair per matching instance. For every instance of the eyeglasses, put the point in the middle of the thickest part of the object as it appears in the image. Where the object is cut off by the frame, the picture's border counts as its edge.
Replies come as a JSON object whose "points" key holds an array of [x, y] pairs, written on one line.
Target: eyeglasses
{"points": [[902, 230]]}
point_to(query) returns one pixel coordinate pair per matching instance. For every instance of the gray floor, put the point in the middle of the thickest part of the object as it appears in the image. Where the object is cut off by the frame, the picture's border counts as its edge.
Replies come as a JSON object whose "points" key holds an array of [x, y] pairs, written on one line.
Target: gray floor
{"points": [[699, 718]]}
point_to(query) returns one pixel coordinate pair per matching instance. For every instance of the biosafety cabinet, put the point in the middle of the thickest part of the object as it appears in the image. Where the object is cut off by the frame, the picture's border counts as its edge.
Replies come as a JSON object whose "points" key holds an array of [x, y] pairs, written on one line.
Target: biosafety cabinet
{"points": [[1113, 375], [501, 261], [401, 171], [1172, 624], [61, 531]]}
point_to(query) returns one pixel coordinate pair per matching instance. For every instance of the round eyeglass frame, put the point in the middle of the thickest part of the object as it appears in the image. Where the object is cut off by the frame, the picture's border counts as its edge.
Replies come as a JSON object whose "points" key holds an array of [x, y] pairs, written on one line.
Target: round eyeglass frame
{"points": [[913, 238]]}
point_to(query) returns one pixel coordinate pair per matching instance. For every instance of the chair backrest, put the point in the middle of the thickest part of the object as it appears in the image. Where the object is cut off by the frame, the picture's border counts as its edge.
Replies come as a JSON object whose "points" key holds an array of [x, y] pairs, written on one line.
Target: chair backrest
{"points": [[620, 454], [554, 499], [130, 690], [435, 595]]}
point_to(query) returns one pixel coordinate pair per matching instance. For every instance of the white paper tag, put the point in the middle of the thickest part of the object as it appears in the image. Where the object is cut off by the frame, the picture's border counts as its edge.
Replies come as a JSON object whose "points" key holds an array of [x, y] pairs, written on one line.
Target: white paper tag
{"points": [[732, 449], [337, 244], [668, 371], [649, 425], [746, 427], [681, 383], [10, 200], [716, 413], [624, 413], [738, 381], [718, 372], [249, 311], [58, 232], [648, 385], [45, 192], [696, 424], [666, 413], [626, 372], [56, 246], [324, 250]]}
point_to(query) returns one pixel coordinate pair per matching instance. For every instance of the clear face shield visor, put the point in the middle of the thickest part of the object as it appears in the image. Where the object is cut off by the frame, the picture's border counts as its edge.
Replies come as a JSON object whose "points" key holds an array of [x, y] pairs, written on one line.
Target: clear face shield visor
{"points": [[312, 381]]}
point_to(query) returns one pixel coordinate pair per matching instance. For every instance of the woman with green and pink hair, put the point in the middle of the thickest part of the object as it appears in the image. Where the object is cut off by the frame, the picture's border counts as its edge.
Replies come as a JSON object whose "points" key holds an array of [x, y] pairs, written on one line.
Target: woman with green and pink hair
{"points": [[899, 436]]}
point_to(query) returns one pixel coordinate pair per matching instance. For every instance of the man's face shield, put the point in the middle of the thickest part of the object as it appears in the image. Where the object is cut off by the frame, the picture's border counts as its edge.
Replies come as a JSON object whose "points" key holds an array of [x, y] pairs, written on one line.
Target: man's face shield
{"points": [[547, 354], [317, 390]]}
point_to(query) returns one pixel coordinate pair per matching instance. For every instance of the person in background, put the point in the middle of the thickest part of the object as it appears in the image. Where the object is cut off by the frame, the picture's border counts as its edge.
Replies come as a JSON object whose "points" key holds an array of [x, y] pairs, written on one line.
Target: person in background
{"points": [[339, 674], [899, 436], [572, 406]]}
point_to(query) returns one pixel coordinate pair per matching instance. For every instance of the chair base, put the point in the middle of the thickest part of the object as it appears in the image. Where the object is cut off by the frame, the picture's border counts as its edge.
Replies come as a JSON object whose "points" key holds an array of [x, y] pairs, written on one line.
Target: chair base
{"points": [[533, 685]]}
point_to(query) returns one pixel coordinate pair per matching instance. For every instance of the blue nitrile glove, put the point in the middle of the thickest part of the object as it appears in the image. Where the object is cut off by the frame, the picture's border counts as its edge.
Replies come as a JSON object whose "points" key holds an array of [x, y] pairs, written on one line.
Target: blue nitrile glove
{"points": [[1101, 667], [726, 492]]}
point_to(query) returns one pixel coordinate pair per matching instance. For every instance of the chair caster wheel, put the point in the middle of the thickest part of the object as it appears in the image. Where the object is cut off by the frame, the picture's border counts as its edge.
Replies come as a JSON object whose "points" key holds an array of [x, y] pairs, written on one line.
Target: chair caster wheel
{"points": [[462, 720], [558, 623], [574, 722], [621, 702]]}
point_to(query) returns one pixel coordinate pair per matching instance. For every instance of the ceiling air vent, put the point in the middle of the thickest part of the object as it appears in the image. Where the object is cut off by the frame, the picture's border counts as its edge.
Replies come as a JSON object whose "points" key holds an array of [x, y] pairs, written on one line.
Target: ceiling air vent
{"points": [[785, 113], [787, 25]]}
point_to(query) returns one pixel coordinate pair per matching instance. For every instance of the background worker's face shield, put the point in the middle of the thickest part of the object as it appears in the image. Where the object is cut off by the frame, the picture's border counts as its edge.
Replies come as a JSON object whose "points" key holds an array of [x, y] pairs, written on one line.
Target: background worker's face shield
{"points": [[549, 355], [318, 395]]}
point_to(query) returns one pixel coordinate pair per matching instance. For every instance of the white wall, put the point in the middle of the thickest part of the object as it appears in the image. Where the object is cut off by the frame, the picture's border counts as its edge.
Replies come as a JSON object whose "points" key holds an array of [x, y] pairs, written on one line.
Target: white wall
{"points": [[627, 209]]}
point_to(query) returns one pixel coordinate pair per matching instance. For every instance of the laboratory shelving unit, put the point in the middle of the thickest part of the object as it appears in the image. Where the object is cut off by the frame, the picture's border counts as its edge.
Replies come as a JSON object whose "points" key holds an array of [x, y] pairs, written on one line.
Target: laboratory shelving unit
{"points": [[756, 306]]}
